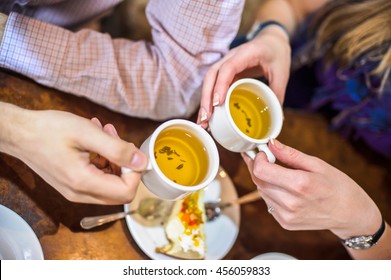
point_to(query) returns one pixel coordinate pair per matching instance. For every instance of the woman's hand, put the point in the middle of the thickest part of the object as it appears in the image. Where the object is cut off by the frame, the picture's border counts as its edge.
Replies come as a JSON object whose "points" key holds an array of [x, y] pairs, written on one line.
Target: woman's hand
{"points": [[310, 194], [267, 55]]}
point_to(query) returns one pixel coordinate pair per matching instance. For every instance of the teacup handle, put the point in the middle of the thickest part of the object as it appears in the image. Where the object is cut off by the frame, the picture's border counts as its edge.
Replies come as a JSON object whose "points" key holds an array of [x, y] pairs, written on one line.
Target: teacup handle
{"points": [[262, 148], [125, 170]]}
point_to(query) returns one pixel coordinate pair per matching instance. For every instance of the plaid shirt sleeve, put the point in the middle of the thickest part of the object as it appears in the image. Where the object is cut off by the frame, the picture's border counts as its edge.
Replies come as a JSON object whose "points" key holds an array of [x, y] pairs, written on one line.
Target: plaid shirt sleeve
{"points": [[157, 80]]}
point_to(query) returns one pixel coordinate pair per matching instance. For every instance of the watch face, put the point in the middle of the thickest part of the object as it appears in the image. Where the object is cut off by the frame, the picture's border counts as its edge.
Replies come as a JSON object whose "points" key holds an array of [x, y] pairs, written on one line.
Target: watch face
{"points": [[359, 242]]}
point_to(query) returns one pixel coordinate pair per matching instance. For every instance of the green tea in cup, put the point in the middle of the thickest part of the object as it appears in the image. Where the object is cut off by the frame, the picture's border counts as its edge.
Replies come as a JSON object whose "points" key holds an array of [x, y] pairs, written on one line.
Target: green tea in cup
{"points": [[182, 159], [181, 156], [249, 113]]}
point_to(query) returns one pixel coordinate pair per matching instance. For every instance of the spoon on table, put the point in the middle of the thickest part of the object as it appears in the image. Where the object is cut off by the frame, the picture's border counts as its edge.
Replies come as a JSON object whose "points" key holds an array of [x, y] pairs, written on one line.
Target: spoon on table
{"points": [[155, 210], [214, 209], [151, 209]]}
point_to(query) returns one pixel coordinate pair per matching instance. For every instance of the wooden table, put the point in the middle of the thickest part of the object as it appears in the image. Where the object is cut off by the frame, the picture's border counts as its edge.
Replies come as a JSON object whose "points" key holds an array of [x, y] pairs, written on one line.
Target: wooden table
{"points": [[56, 220]]}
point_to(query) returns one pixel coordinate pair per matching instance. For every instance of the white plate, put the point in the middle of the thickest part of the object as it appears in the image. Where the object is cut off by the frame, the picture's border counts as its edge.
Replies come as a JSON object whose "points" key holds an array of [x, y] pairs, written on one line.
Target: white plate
{"points": [[17, 239], [220, 233], [274, 256]]}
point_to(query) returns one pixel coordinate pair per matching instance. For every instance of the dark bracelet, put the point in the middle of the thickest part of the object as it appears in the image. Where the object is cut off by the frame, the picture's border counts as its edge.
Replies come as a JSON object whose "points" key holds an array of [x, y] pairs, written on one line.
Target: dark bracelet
{"points": [[253, 33], [364, 241]]}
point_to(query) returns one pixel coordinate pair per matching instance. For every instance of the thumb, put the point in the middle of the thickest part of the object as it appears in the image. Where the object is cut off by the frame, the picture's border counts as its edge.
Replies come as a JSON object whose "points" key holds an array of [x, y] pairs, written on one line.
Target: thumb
{"points": [[292, 157]]}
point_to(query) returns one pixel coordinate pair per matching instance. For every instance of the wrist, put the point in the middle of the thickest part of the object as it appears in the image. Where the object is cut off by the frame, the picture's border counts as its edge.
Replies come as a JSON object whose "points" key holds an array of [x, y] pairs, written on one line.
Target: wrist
{"points": [[365, 241], [3, 22], [269, 26], [361, 229], [358, 222]]}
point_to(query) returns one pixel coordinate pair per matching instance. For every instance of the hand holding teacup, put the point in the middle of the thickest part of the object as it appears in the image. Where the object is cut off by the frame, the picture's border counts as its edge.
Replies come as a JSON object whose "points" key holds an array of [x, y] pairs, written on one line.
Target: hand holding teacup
{"points": [[250, 116]]}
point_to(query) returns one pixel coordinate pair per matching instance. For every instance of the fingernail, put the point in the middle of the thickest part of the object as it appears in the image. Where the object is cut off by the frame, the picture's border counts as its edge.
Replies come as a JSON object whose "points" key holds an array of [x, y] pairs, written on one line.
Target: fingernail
{"points": [[204, 125], [216, 99], [139, 161], [113, 130], [204, 115], [96, 122], [276, 143]]}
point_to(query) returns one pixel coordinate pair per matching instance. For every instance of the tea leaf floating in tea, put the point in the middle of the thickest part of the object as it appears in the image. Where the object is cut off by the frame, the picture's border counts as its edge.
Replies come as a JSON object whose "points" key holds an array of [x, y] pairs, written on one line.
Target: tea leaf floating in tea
{"points": [[180, 166], [181, 156], [249, 113], [167, 150]]}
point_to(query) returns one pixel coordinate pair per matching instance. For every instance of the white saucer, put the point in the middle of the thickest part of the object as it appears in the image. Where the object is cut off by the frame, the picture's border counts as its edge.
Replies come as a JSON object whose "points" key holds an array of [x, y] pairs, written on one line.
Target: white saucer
{"points": [[274, 256], [220, 233], [17, 239]]}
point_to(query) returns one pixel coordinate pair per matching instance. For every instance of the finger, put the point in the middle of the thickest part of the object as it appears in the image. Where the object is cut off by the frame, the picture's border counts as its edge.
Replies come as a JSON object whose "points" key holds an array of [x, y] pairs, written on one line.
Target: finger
{"points": [[115, 150], [289, 212], [96, 159], [87, 198], [81, 191], [132, 180], [229, 69], [250, 166], [278, 212], [270, 202], [208, 91], [95, 186], [99, 161], [294, 158], [276, 196], [110, 130], [267, 175], [226, 76], [243, 59], [96, 122], [207, 94], [108, 187], [249, 162]]}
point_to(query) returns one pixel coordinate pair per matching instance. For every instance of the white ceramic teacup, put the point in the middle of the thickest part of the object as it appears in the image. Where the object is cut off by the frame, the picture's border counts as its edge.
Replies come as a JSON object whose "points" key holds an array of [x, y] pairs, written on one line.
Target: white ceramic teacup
{"points": [[227, 133], [156, 180]]}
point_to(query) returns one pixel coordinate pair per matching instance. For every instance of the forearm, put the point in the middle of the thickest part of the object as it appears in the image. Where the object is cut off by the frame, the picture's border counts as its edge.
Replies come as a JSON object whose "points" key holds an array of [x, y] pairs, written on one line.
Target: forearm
{"points": [[12, 128], [155, 80], [278, 10], [362, 219], [288, 12]]}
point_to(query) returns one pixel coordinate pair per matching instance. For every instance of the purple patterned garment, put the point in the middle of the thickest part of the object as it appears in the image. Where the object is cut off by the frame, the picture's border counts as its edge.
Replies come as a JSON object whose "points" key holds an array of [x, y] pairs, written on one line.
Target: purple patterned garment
{"points": [[359, 103]]}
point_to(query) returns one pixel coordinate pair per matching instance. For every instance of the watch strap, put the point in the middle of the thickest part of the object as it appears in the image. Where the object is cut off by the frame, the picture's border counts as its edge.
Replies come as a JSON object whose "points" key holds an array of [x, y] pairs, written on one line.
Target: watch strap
{"points": [[379, 233], [259, 26], [256, 28], [365, 242]]}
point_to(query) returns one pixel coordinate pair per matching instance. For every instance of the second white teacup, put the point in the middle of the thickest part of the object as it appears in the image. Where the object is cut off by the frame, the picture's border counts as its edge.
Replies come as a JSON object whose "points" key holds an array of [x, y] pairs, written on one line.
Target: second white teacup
{"points": [[183, 158], [250, 116]]}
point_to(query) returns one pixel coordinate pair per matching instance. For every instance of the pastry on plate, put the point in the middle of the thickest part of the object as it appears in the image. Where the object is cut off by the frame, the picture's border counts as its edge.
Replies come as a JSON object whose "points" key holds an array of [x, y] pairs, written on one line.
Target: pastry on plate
{"points": [[185, 228]]}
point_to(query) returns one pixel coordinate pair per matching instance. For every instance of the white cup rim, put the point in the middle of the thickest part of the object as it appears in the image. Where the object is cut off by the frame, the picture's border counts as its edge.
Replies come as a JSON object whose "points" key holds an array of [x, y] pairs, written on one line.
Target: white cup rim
{"points": [[266, 89], [212, 153]]}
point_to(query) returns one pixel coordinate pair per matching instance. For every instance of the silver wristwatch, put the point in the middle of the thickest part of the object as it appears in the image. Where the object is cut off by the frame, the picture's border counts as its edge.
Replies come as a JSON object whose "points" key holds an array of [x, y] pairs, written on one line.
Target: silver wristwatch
{"points": [[364, 241]]}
